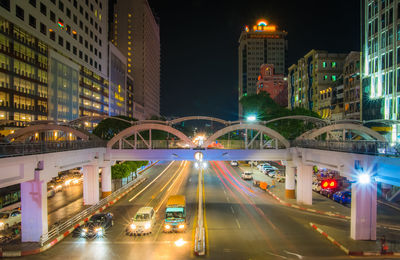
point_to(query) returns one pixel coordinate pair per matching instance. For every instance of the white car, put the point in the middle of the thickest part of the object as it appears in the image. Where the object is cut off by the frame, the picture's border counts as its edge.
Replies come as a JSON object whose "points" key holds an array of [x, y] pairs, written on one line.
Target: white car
{"points": [[143, 222], [247, 176], [9, 219], [234, 163], [316, 186]]}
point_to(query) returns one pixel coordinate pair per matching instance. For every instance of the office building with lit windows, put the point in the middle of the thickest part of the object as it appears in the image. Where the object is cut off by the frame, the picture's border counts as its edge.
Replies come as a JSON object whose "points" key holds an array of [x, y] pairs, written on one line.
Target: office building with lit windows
{"points": [[259, 44], [312, 79], [380, 75], [53, 59], [135, 32], [117, 77]]}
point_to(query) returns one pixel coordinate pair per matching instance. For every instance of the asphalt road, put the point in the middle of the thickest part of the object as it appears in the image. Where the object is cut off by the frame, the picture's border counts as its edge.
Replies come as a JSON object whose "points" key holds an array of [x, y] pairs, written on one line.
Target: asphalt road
{"points": [[242, 222]]}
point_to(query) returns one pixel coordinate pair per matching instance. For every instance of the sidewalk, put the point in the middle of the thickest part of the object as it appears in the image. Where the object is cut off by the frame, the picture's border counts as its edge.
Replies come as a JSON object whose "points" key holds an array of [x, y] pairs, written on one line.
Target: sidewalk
{"points": [[386, 215]]}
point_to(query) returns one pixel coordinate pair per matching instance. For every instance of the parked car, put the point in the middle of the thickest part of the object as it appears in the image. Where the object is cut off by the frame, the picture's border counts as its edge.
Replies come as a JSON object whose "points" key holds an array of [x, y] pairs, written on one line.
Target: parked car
{"points": [[343, 197], [50, 192], [280, 178], [234, 163], [9, 218], [327, 192], [260, 166], [272, 173], [247, 176], [316, 186]]}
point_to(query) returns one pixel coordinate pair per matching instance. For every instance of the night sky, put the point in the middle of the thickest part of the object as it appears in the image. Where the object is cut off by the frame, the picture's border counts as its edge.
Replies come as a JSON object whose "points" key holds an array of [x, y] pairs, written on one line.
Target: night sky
{"points": [[199, 45]]}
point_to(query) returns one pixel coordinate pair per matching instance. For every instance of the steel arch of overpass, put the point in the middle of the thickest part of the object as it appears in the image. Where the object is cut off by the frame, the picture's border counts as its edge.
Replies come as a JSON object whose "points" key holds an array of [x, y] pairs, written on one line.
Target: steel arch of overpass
{"points": [[363, 131]]}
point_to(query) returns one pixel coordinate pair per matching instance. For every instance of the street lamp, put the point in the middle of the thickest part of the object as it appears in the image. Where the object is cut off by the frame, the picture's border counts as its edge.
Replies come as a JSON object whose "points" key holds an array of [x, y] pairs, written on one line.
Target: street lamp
{"points": [[364, 178], [251, 118]]}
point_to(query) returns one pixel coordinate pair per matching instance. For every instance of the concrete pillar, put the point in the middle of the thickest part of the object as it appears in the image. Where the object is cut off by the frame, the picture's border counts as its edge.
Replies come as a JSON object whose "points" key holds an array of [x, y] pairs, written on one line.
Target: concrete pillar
{"points": [[106, 181], [290, 192], [90, 184], [304, 184], [363, 211], [33, 209]]}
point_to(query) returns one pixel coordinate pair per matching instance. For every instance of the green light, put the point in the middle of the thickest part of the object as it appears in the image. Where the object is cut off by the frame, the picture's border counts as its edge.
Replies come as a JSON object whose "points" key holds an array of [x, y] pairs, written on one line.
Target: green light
{"points": [[325, 77], [324, 64], [333, 64], [333, 77]]}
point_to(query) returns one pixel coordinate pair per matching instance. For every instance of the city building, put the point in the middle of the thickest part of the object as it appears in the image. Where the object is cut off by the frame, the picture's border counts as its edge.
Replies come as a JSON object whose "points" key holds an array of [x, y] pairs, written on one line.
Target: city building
{"points": [[351, 81], [260, 44], [336, 103], [380, 76], [136, 34], [274, 84], [311, 80], [53, 60], [118, 82]]}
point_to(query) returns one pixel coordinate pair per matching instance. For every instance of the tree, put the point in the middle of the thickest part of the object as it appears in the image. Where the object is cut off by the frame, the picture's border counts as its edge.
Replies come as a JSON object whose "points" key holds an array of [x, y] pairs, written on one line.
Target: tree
{"points": [[120, 171], [266, 109], [110, 127]]}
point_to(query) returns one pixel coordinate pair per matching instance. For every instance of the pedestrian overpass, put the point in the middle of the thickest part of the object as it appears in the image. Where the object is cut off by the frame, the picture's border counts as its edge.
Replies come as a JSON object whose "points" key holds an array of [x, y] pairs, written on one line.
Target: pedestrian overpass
{"points": [[347, 147]]}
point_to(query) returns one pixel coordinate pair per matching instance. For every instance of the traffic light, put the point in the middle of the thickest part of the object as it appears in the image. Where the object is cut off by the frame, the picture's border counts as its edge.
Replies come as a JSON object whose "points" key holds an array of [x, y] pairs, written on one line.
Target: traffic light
{"points": [[329, 184]]}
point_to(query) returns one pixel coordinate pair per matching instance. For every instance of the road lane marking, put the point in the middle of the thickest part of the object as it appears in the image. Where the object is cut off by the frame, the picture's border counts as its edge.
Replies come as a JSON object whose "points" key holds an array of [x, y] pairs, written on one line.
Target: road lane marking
{"points": [[269, 253], [140, 192], [237, 222], [233, 212], [290, 253], [177, 171]]}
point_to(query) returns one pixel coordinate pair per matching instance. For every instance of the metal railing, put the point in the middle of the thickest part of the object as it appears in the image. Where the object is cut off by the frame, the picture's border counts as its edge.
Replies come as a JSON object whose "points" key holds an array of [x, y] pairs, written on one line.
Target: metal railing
{"points": [[361, 147], [63, 227], [21, 149]]}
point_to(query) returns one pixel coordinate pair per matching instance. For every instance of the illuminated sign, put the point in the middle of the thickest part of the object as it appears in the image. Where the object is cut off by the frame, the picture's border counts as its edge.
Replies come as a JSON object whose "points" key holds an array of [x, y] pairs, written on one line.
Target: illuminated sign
{"points": [[262, 26], [262, 22]]}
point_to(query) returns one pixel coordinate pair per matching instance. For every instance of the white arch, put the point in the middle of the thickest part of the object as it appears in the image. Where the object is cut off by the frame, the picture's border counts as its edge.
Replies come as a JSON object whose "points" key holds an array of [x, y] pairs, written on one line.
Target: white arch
{"points": [[32, 129], [360, 129], [99, 117], [138, 128], [187, 118], [261, 128], [300, 117]]}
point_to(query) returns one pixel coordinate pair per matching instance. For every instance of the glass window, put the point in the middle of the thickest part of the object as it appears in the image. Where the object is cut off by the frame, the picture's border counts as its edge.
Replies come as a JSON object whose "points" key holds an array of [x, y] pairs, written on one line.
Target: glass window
{"points": [[5, 4], [19, 12], [52, 16], [324, 64], [43, 9], [32, 21], [33, 2], [333, 64]]}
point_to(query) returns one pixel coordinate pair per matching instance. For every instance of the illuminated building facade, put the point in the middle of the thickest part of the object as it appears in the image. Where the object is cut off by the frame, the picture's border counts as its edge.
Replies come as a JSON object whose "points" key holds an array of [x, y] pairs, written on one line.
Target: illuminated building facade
{"points": [[259, 44], [351, 86], [136, 34], [53, 57], [274, 84], [311, 81], [380, 75], [117, 78]]}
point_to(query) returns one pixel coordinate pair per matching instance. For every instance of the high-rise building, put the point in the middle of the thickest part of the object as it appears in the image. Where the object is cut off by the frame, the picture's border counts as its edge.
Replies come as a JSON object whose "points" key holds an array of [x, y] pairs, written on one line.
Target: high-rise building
{"points": [[259, 44], [274, 84], [380, 75], [53, 60], [118, 82], [136, 33], [351, 85], [311, 80]]}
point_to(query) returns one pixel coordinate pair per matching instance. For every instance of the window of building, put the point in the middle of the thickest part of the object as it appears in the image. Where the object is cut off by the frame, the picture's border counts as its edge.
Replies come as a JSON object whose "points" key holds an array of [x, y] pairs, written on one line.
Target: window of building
{"points": [[52, 35], [86, 30], [68, 45], [68, 13], [91, 61], [100, 42], [333, 77], [52, 16], [80, 39], [81, 9], [325, 77], [75, 3], [60, 41], [43, 9], [86, 58], [91, 34], [5, 4], [33, 3], [324, 64], [91, 20], [74, 50], [86, 44], [86, 16], [74, 35], [32, 21], [80, 54], [100, 67], [61, 6], [81, 25], [100, 54], [53, 1], [91, 48], [19, 12], [333, 64], [68, 29], [75, 18], [43, 29], [95, 64], [100, 30]]}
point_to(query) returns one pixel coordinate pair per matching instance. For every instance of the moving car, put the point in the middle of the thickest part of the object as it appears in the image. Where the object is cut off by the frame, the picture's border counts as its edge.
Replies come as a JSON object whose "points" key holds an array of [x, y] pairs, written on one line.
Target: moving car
{"points": [[234, 163], [143, 222], [327, 192], [247, 176], [343, 197], [175, 214], [9, 218], [97, 225]]}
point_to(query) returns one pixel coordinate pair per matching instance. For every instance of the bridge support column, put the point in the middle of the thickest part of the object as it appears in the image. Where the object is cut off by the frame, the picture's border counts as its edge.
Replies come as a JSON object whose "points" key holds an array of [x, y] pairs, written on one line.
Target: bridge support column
{"points": [[290, 192], [33, 209], [304, 184], [90, 184], [363, 211], [106, 181]]}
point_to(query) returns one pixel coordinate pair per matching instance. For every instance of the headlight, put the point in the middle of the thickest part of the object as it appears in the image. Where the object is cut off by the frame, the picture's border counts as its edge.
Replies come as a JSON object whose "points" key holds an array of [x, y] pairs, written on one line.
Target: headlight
{"points": [[181, 226], [147, 226], [133, 226], [1, 224], [167, 226], [98, 229], [84, 230]]}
